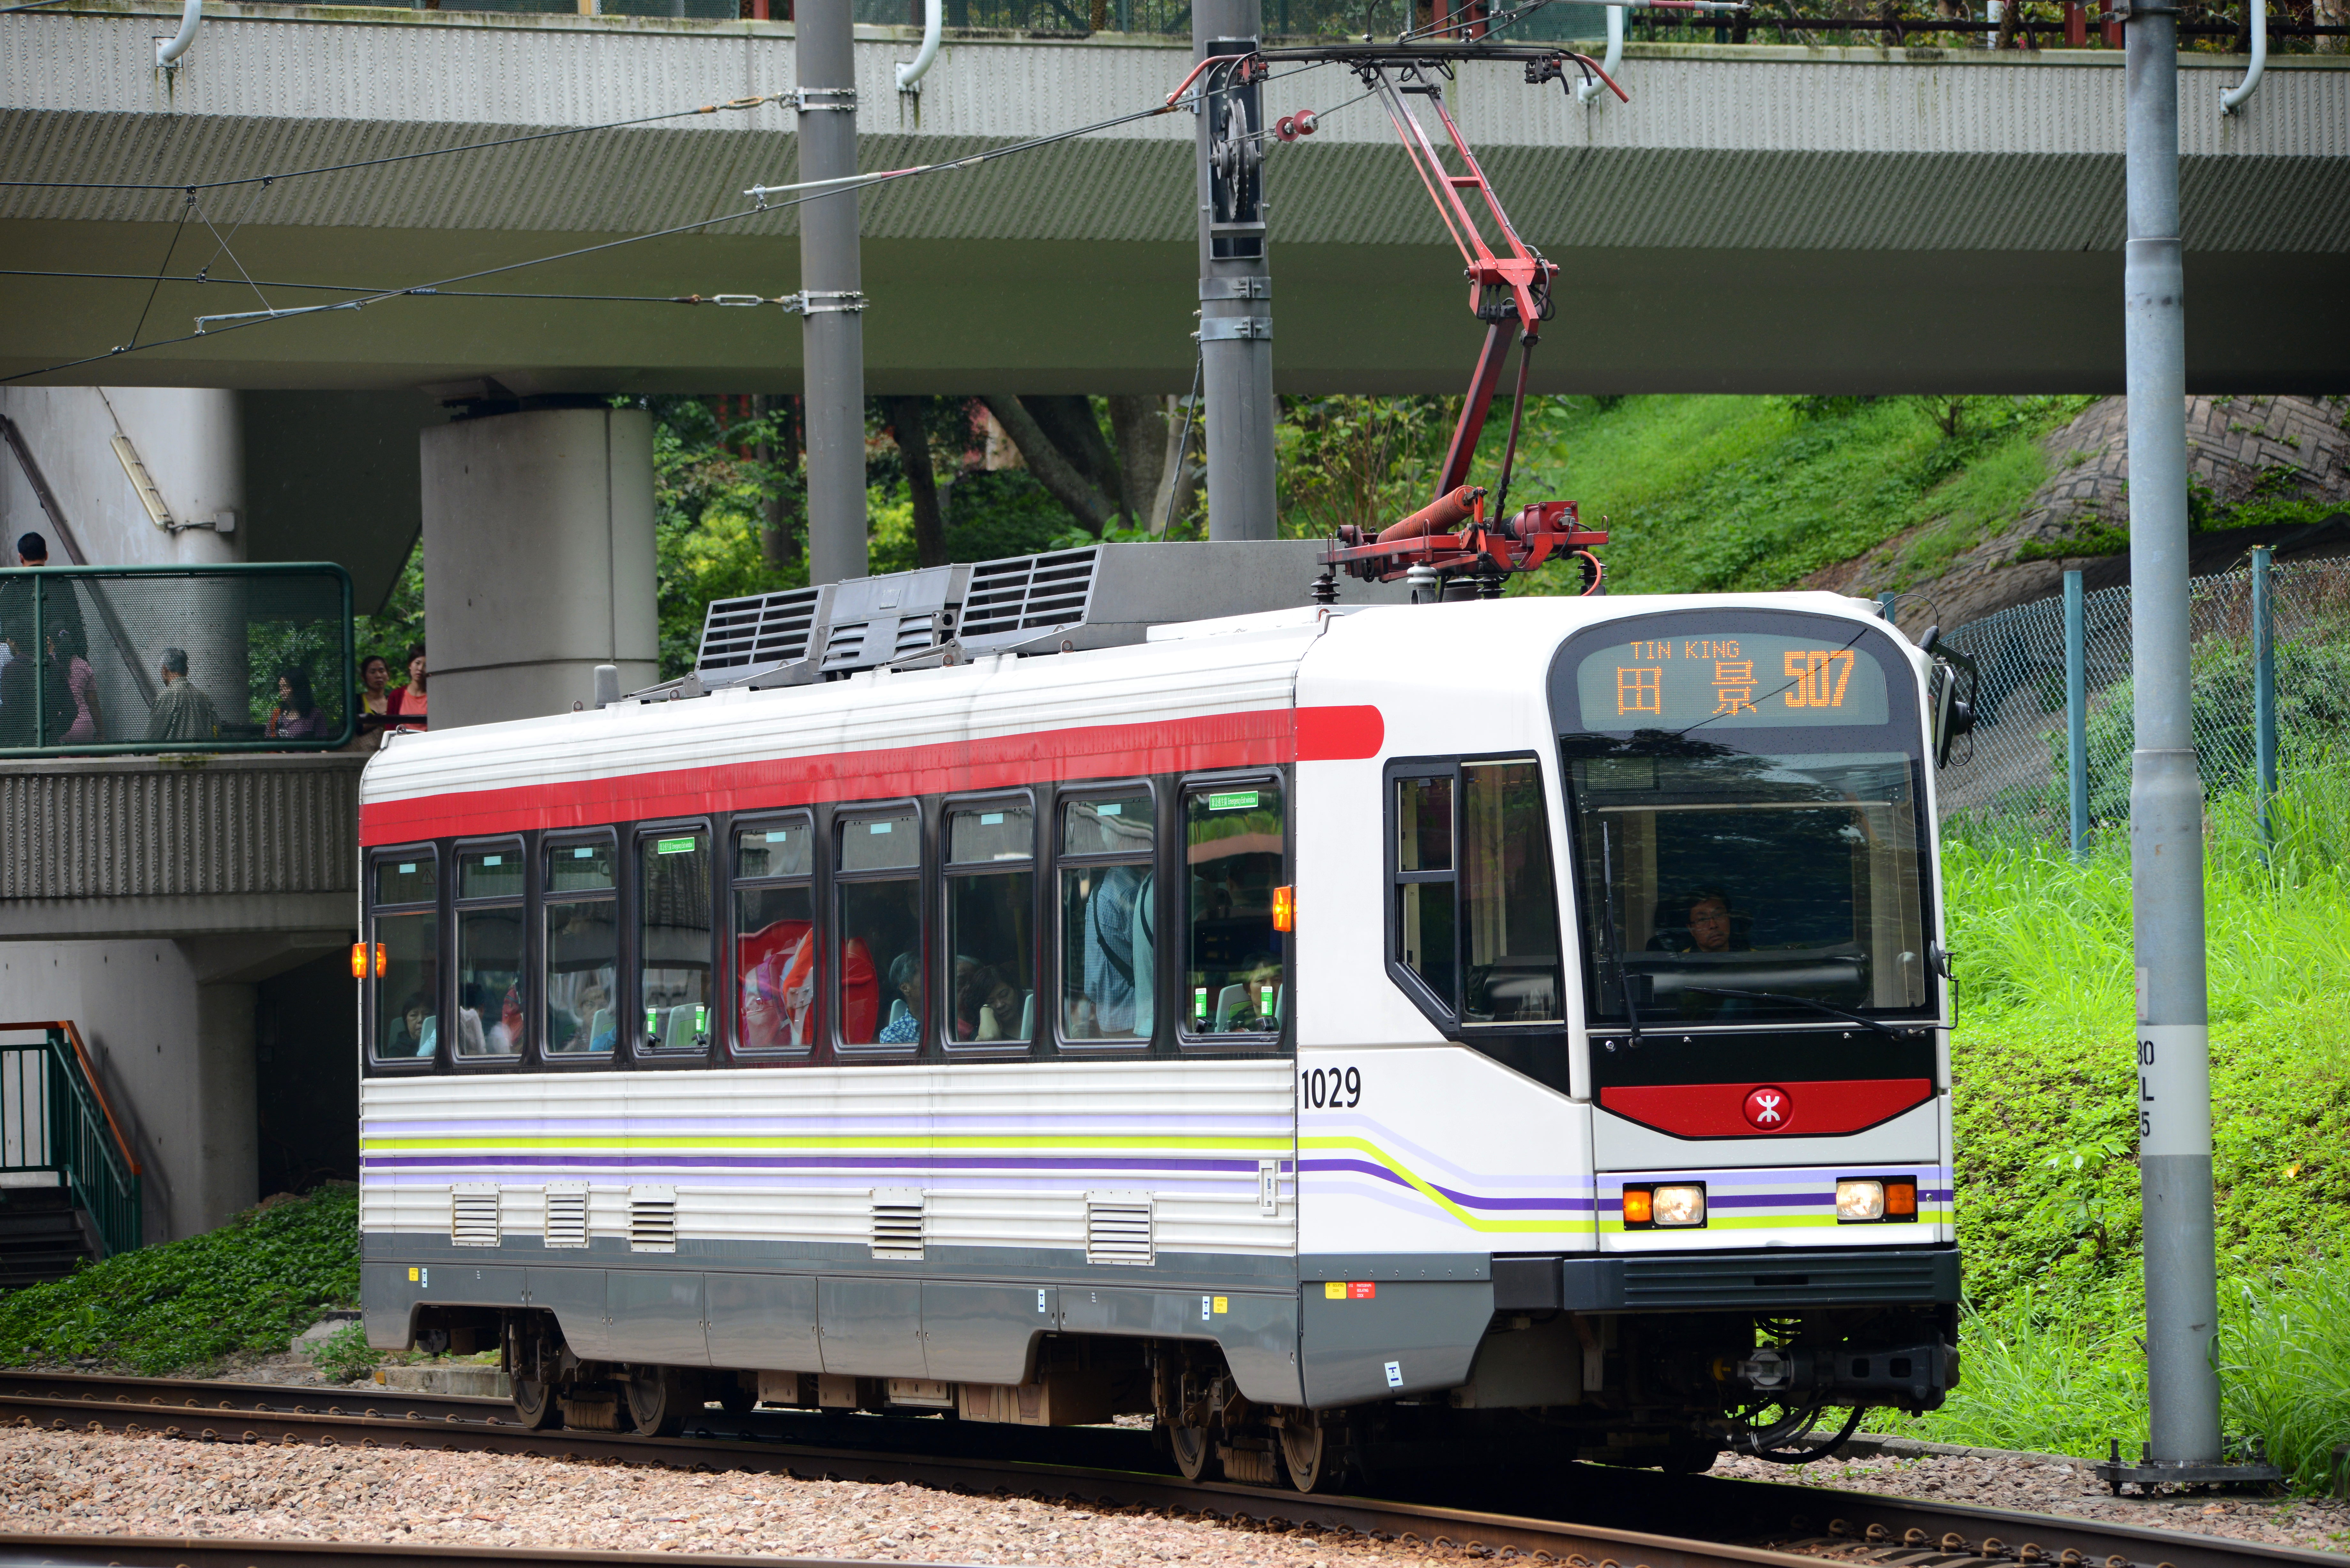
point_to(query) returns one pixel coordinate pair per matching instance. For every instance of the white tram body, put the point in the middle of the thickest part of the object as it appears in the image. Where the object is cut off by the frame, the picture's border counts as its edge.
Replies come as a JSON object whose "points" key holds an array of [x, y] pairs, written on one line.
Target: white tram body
{"points": [[1465, 1140]]}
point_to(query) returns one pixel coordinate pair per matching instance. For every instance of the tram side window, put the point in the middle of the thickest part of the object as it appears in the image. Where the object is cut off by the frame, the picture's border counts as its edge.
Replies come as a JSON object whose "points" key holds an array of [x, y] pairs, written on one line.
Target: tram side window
{"points": [[583, 949], [879, 889], [775, 936], [990, 854], [490, 1009], [1236, 971], [1108, 914], [405, 979], [1476, 902], [1425, 905], [673, 940]]}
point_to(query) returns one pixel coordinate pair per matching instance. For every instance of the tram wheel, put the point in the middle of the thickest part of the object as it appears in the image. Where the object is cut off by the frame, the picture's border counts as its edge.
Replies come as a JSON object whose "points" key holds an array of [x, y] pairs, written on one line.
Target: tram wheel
{"points": [[1193, 1453], [1303, 1450], [658, 1401], [535, 1401]]}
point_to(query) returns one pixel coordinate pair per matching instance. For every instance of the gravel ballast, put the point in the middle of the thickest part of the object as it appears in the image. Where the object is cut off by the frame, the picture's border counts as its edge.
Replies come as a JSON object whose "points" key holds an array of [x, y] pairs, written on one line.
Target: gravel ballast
{"points": [[97, 1483]]}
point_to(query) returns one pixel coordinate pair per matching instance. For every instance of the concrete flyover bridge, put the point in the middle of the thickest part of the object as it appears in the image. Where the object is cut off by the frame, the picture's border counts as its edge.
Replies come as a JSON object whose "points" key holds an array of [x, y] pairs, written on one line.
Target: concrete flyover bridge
{"points": [[1756, 218]]}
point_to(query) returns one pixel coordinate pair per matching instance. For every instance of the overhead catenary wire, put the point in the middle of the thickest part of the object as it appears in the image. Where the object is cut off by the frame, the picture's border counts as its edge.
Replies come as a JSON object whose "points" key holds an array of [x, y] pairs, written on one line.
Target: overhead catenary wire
{"points": [[760, 205], [740, 103], [441, 285]]}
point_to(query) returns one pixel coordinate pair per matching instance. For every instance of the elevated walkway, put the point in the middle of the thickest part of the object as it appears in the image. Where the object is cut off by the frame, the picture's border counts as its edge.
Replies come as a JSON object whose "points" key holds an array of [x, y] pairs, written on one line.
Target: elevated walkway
{"points": [[1757, 218], [197, 848]]}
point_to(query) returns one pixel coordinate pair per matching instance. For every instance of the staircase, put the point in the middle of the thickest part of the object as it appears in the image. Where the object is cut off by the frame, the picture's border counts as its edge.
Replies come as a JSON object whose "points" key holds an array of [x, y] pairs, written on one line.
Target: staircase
{"points": [[42, 1236], [69, 1188]]}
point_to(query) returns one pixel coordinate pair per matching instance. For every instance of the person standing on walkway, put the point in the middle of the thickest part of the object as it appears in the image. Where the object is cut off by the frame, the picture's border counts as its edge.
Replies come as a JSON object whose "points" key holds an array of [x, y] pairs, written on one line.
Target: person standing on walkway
{"points": [[182, 712], [408, 701]]}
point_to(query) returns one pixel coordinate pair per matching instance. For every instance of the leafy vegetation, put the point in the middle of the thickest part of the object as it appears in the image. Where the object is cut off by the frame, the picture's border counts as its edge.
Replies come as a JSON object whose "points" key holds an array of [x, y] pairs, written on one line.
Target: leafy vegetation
{"points": [[346, 1357], [249, 1286], [2044, 1071], [1704, 494]]}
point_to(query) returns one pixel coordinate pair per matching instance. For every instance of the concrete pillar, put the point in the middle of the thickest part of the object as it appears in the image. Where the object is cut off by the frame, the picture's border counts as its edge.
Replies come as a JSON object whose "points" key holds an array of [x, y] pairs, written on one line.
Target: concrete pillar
{"points": [[223, 1175], [538, 560]]}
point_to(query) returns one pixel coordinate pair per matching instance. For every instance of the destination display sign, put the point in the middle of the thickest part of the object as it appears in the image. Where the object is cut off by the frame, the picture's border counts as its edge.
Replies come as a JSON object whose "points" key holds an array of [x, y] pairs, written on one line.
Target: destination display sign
{"points": [[1745, 681]]}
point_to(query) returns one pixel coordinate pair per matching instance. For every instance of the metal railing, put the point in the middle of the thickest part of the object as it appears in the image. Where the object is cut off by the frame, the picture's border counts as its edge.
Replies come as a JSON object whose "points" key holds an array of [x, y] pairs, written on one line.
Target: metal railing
{"points": [[2063, 24], [54, 1119], [97, 660]]}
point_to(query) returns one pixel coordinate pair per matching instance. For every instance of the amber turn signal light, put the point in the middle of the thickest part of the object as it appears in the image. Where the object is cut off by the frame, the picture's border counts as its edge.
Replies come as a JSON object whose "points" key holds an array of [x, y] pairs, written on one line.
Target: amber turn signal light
{"points": [[359, 961], [1901, 1198], [1638, 1206], [1284, 908]]}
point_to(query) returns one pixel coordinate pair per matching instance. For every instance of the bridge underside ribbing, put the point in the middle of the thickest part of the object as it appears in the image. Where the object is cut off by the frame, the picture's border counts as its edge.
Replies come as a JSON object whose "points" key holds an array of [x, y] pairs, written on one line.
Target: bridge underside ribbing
{"points": [[1756, 220]]}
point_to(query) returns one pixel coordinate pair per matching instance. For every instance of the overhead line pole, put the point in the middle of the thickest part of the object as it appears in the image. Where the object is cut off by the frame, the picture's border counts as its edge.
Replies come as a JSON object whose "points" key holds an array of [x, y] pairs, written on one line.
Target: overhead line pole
{"points": [[2174, 1073], [1235, 280], [832, 335]]}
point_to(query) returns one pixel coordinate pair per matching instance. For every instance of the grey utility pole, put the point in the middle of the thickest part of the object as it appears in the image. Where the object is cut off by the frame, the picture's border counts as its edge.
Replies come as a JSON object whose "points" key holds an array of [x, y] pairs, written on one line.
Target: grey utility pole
{"points": [[832, 338], [2182, 1301], [1235, 289]]}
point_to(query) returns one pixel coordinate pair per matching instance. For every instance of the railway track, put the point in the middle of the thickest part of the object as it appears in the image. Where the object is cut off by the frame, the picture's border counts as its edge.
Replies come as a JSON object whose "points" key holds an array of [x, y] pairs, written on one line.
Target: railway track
{"points": [[1715, 1521], [21, 1551]]}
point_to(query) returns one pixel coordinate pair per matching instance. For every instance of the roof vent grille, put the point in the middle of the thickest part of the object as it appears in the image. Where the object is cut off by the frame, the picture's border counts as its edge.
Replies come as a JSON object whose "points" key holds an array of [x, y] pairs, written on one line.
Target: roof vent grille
{"points": [[1028, 594]]}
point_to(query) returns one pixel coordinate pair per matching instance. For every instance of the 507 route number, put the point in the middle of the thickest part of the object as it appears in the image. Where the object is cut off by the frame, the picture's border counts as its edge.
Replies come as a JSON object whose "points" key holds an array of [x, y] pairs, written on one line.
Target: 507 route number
{"points": [[1330, 1089]]}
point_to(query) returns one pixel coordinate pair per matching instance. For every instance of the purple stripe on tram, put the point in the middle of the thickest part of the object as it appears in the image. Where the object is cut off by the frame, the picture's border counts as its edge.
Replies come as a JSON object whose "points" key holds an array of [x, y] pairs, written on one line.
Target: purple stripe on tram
{"points": [[801, 1162], [1466, 1200]]}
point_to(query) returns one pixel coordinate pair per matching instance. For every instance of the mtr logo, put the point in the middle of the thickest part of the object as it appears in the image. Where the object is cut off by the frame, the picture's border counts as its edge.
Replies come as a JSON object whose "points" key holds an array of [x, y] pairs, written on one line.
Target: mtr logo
{"points": [[1768, 1108]]}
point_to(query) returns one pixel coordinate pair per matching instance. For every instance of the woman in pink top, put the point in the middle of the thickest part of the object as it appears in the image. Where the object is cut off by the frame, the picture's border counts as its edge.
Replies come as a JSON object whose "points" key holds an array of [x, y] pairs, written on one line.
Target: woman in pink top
{"points": [[408, 701], [81, 687]]}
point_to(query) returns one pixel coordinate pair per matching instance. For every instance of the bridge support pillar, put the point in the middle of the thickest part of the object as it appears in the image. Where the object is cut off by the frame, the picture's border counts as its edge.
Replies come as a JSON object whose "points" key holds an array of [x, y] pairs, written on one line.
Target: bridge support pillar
{"points": [[538, 560]]}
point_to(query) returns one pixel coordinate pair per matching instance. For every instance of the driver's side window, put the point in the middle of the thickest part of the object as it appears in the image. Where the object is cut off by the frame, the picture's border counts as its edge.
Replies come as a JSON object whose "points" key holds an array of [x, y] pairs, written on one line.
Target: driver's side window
{"points": [[1474, 918]]}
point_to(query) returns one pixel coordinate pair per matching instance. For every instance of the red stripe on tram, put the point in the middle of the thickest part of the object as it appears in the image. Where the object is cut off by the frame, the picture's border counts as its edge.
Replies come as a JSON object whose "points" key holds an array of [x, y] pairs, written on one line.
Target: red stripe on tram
{"points": [[1259, 739], [1817, 1108]]}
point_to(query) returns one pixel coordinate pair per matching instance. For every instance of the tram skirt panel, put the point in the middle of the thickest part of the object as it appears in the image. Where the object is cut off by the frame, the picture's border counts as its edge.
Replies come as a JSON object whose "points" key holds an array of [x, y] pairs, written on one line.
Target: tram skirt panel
{"points": [[1379, 1340]]}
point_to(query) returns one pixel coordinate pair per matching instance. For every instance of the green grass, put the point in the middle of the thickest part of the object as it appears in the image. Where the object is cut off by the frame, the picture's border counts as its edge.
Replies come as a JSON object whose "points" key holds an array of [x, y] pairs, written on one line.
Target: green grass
{"points": [[1710, 493], [249, 1286], [2044, 1079]]}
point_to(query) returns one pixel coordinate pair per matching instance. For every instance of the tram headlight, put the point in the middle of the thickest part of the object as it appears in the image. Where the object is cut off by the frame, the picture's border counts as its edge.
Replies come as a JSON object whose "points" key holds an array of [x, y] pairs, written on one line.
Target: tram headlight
{"points": [[1860, 1200], [1679, 1206]]}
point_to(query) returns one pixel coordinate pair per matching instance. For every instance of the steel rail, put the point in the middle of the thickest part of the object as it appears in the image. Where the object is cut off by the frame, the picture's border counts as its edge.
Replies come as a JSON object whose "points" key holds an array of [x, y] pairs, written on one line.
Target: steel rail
{"points": [[1729, 1520], [23, 1550]]}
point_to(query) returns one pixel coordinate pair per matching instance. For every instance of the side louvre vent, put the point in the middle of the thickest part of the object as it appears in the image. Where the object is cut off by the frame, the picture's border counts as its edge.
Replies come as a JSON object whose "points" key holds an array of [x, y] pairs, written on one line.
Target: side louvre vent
{"points": [[474, 1216], [1117, 1228], [1028, 594], [653, 1219], [897, 1224], [567, 1215]]}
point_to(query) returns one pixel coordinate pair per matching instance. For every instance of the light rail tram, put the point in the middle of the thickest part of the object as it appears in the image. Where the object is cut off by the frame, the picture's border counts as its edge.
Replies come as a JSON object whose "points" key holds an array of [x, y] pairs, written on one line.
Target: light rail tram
{"points": [[1108, 983]]}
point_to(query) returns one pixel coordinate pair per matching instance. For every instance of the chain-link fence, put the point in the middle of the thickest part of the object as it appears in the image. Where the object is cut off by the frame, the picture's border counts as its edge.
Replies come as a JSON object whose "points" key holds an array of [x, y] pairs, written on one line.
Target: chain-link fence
{"points": [[169, 659], [2010, 776]]}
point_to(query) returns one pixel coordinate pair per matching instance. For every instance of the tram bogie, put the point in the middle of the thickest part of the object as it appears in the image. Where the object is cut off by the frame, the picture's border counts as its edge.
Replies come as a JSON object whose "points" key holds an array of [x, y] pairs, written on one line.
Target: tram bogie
{"points": [[1331, 1034]]}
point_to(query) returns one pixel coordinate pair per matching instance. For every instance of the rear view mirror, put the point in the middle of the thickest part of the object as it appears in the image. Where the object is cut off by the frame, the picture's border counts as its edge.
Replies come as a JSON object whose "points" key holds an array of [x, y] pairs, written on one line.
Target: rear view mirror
{"points": [[1950, 694]]}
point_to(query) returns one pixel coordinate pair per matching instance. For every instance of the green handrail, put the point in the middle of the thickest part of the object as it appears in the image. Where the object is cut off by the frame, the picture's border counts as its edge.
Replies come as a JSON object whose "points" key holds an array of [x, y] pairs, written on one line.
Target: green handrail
{"points": [[80, 1139]]}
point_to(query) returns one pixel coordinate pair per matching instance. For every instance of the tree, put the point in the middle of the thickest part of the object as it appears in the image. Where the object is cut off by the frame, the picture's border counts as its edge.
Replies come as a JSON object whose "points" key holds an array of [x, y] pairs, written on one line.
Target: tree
{"points": [[1062, 442], [909, 428]]}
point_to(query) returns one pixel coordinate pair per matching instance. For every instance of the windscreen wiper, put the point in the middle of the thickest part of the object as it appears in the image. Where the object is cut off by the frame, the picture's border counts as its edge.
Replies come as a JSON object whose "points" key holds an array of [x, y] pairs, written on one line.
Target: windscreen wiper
{"points": [[1882, 1028]]}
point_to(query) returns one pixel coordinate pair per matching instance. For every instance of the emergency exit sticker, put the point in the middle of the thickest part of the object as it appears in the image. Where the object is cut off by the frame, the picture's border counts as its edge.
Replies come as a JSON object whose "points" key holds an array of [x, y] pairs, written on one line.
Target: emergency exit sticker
{"points": [[1349, 1289]]}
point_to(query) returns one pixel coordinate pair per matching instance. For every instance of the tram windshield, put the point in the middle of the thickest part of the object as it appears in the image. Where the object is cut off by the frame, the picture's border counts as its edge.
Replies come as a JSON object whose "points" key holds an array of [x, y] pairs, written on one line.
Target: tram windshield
{"points": [[1742, 794]]}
